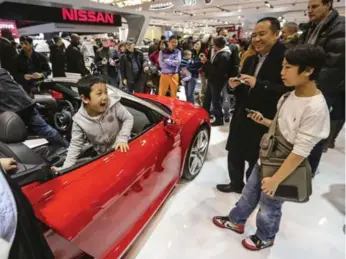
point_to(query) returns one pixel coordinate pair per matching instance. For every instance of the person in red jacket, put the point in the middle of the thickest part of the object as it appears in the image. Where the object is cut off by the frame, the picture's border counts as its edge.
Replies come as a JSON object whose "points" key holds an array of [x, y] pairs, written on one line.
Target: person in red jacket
{"points": [[154, 57]]}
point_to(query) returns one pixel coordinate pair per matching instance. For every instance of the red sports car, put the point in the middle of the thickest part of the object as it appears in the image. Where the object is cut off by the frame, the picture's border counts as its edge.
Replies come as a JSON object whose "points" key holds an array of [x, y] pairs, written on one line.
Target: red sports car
{"points": [[98, 207]]}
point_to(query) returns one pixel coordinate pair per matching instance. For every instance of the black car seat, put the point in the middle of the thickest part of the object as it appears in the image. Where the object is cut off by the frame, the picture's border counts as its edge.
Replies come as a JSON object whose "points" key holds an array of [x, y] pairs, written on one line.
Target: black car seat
{"points": [[12, 133]]}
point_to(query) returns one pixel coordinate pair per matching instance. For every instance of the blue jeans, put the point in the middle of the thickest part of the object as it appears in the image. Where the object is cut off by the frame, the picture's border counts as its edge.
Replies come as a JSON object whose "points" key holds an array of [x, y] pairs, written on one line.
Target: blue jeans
{"points": [[190, 90], [269, 215], [38, 126]]}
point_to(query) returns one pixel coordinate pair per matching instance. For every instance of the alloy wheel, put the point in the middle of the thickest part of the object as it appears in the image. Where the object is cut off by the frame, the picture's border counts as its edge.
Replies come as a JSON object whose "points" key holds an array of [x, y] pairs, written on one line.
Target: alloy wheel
{"points": [[198, 152]]}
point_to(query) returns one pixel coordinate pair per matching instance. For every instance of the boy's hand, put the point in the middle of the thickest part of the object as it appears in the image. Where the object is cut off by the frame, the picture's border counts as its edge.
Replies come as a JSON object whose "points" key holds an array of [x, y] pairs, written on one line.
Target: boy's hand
{"points": [[124, 147], [8, 164], [256, 116], [269, 186]]}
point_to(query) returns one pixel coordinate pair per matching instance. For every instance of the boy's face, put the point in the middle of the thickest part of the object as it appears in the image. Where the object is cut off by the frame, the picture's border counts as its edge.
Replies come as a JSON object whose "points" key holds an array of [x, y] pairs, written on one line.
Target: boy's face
{"points": [[291, 77], [188, 56], [98, 101]]}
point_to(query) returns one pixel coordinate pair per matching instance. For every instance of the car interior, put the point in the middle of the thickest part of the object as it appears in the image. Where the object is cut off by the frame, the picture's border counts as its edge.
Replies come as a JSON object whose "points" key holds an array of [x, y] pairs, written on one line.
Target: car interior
{"points": [[34, 163]]}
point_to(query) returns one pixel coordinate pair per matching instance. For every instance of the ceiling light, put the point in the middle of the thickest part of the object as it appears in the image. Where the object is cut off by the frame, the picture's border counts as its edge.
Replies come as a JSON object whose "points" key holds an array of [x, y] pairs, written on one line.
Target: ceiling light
{"points": [[239, 17], [239, 10]]}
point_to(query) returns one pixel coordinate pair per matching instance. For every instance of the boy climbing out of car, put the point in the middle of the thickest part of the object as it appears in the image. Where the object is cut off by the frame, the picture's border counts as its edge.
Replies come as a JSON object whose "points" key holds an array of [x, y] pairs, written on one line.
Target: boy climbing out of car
{"points": [[302, 120], [101, 120]]}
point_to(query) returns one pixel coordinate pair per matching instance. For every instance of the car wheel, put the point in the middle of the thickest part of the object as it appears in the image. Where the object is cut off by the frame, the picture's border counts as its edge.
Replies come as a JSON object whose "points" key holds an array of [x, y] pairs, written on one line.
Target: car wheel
{"points": [[197, 154]]}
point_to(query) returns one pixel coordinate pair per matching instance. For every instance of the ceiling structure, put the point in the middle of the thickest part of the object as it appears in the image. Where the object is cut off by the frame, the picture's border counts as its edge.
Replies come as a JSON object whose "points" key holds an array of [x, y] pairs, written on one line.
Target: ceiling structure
{"points": [[198, 14]]}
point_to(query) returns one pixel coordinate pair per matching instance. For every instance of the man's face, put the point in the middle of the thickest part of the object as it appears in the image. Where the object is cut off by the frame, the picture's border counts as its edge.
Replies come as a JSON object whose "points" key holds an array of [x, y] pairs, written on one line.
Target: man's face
{"points": [[97, 103], [263, 38], [173, 43], [130, 47], [105, 43], [285, 32], [26, 46], [224, 33], [317, 11]]}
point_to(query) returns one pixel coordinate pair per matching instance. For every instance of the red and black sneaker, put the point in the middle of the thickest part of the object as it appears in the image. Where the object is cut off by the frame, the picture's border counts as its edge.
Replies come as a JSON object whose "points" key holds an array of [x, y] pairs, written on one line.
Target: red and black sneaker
{"points": [[224, 222], [253, 243]]}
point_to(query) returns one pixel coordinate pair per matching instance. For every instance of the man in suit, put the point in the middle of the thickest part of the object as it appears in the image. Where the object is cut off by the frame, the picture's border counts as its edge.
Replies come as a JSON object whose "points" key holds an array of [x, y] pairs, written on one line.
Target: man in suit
{"points": [[258, 88]]}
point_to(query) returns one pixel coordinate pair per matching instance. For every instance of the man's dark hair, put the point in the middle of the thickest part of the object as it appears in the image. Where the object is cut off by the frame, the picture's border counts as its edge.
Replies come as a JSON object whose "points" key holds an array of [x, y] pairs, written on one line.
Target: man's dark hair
{"points": [[159, 44], [274, 23], [305, 56], [26, 38], [7, 34], [220, 42], [173, 37], [325, 2], [85, 83]]}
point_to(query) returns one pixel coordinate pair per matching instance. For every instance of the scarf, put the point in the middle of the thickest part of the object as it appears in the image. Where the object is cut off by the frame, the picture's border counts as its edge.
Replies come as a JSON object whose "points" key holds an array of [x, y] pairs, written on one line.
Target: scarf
{"points": [[314, 33]]}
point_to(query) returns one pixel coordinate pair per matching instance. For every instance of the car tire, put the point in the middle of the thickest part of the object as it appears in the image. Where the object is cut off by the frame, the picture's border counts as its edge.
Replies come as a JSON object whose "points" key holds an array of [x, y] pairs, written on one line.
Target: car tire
{"points": [[197, 153]]}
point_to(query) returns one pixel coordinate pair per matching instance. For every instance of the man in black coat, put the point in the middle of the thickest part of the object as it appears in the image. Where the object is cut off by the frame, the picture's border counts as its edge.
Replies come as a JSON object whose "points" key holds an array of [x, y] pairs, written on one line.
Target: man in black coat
{"points": [[218, 69], [132, 66], [57, 57], [14, 98], [258, 88], [7, 50], [30, 66], [75, 58], [327, 29]]}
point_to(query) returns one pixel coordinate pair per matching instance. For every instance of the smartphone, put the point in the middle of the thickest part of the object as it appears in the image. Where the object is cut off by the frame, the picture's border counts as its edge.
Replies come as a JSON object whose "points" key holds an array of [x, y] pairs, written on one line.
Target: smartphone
{"points": [[242, 81]]}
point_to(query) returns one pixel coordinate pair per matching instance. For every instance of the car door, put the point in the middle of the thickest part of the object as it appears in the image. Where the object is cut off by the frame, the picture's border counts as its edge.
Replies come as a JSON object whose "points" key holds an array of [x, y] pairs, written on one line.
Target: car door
{"points": [[101, 206]]}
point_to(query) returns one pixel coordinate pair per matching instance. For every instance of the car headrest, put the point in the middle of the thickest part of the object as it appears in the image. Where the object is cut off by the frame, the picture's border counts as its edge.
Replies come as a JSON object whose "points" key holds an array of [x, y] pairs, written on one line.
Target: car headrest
{"points": [[12, 128]]}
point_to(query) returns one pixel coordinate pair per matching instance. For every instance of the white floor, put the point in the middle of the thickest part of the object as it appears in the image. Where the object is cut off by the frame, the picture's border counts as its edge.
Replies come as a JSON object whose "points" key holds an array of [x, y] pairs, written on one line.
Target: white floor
{"points": [[183, 229]]}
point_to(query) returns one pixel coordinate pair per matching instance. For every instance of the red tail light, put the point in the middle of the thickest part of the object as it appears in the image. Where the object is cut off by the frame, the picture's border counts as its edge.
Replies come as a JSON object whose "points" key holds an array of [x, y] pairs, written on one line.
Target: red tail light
{"points": [[57, 95]]}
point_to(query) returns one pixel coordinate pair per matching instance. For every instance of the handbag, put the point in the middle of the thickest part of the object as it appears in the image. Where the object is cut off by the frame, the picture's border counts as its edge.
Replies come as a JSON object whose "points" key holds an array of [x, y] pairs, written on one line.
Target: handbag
{"points": [[274, 149]]}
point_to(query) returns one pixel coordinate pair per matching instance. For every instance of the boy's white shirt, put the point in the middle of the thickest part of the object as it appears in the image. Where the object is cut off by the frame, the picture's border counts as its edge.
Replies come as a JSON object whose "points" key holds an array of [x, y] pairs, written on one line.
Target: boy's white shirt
{"points": [[304, 121], [4, 248]]}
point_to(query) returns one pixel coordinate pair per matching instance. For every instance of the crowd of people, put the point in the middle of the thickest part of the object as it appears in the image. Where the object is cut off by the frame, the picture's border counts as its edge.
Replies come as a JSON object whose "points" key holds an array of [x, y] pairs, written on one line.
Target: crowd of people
{"points": [[294, 85]]}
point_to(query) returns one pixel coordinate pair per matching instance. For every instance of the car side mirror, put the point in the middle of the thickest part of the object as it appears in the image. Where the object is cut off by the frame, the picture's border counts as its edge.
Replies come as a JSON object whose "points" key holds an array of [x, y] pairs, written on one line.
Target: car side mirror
{"points": [[172, 127]]}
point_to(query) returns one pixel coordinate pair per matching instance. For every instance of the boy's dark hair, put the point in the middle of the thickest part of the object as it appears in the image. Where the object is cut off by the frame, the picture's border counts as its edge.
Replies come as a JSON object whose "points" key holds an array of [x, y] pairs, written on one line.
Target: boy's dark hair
{"points": [[187, 52], [26, 38], [275, 24], [325, 2], [305, 56], [85, 83], [173, 37], [220, 42]]}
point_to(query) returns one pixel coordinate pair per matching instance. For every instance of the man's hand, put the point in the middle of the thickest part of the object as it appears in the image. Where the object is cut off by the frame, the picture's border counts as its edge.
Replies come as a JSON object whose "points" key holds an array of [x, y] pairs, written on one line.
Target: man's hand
{"points": [[37, 75], [233, 82], [269, 186], [8, 164], [249, 80], [125, 82], [28, 77], [203, 59], [124, 147], [146, 69]]}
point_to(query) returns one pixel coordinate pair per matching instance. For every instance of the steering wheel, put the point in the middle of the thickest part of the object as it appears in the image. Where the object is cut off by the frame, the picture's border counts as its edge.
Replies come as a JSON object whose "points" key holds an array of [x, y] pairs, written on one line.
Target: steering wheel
{"points": [[63, 118]]}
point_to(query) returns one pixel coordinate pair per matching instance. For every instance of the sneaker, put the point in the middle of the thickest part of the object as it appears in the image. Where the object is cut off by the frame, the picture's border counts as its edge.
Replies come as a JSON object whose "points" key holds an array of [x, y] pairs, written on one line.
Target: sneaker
{"points": [[224, 222], [253, 243], [227, 119]]}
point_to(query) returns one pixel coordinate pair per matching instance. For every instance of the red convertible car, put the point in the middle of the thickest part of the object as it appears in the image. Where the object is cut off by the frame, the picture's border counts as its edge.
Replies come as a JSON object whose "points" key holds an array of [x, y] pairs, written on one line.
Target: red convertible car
{"points": [[98, 207]]}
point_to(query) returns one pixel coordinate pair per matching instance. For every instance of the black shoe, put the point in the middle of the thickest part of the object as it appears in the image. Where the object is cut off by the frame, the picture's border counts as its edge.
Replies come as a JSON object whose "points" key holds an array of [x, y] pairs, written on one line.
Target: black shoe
{"points": [[217, 122], [228, 188]]}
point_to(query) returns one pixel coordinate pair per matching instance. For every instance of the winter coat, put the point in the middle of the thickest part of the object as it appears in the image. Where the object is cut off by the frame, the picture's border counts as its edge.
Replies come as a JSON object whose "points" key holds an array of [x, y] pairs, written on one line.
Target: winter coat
{"points": [[29, 241], [126, 68], [154, 58], [220, 67], [107, 53], [103, 131], [58, 60], [12, 95], [7, 54], [331, 79], [75, 61], [23, 65], [245, 134]]}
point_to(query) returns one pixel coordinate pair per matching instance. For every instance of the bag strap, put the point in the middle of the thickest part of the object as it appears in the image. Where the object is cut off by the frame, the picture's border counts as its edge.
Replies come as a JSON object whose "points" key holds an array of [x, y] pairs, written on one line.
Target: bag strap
{"points": [[272, 128]]}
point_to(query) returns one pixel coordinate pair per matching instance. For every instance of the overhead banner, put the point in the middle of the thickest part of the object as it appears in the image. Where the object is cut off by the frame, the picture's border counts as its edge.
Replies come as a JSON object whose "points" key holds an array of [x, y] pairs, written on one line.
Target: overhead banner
{"points": [[26, 12], [10, 25]]}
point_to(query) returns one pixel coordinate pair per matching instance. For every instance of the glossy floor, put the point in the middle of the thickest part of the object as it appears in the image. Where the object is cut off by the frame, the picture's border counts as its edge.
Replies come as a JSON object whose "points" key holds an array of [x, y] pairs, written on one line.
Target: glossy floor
{"points": [[183, 229]]}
